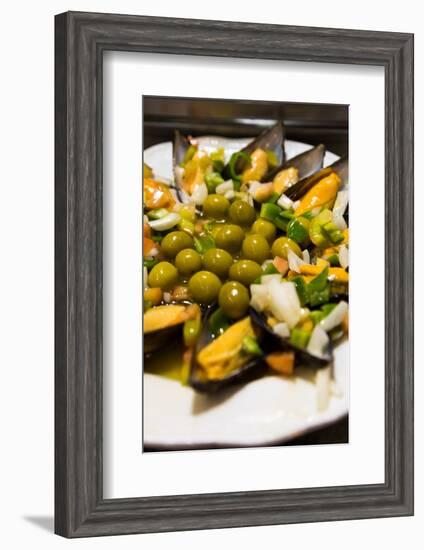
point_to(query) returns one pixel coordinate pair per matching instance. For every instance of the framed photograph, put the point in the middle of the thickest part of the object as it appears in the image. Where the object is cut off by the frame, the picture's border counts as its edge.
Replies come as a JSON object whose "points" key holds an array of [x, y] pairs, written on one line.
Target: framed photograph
{"points": [[234, 274]]}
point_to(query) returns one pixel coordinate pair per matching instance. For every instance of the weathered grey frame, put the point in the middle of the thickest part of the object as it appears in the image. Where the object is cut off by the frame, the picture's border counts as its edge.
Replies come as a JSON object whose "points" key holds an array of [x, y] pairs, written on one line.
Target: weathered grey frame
{"points": [[81, 39]]}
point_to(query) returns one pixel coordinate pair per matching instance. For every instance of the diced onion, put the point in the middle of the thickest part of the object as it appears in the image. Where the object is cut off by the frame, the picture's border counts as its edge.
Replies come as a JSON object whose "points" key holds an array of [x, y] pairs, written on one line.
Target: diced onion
{"points": [[266, 264], [339, 209], [167, 297], [284, 302], [344, 256], [260, 297], [253, 187], [222, 188], [199, 194], [306, 256], [294, 261], [282, 330], [229, 194], [285, 202], [166, 222], [318, 342], [266, 279], [335, 318], [323, 385]]}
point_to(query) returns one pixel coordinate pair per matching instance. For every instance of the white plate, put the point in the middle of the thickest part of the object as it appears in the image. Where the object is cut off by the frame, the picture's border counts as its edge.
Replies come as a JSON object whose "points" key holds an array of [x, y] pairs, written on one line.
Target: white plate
{"points": [[266, 411]]}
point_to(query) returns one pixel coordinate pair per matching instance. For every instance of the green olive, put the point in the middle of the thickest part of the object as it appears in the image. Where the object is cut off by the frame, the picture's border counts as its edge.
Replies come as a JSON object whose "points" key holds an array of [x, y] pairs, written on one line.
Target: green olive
{"points": [[204, 287], [242, 213], [282, 245], [245, 271], [229, 237], [218, 261], [256, 248], [265, 228], [234, 299], [188, 261], [163, 275], [216, 206], [174, 242]]}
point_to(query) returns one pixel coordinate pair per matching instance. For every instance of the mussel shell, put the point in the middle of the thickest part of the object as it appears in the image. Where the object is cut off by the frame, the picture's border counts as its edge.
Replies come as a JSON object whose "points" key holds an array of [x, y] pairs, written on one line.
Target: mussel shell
{"points": [[180, 146], [307, 163], [249, 371], [271, 342], [341, 167], [152, 341], [271, 139]]}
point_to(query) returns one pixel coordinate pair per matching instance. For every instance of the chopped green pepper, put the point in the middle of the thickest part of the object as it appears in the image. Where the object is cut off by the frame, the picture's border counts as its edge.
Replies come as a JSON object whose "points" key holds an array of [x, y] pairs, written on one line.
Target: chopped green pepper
{"points": [[299, 337], [269, 211], [316, 233], [332, 232], [298, 230], [319, 289], [334, 260], [218, 322], [317, 316], [270, 269], [283, 219], [203, 243], [235, 157], [212, 180], [250, 345], [302, 289], [150, 263], [191, 332]]}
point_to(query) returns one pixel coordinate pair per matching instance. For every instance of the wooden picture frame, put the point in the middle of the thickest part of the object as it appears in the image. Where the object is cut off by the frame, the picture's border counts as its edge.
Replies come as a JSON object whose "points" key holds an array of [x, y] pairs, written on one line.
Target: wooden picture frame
{"points": [[81, 39]]}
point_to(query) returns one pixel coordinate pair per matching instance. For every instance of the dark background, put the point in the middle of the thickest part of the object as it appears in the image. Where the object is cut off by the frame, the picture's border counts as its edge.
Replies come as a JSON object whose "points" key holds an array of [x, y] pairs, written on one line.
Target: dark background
{"points": [[311, 123]]}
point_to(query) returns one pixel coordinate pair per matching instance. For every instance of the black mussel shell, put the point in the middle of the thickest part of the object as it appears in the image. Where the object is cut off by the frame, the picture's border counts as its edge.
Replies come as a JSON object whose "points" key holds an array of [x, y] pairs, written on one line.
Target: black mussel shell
{"points": [[306, 163], [249, 371], [152, 341], [272, 342], [296, 191], [271, 139], [180, 146]]}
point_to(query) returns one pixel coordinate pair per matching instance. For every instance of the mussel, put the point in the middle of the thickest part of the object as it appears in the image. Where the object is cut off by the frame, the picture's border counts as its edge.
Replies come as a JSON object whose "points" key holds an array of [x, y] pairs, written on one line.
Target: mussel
{"points": [[256, 153], [272, 342], [256, 160], [221, 361], [163, 323], [305, 163], [340, 167]]}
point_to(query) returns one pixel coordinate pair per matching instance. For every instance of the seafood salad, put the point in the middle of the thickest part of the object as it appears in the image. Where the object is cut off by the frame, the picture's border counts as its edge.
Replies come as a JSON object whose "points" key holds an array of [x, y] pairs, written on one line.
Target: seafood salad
{"points": [[246, 261]]}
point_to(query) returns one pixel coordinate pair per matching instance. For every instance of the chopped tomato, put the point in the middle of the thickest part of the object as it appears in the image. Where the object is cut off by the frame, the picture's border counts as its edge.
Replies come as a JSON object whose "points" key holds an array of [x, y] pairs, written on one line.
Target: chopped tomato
{"points": [[149, 245], [157, 194], [282, 362], [281, 265]]}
